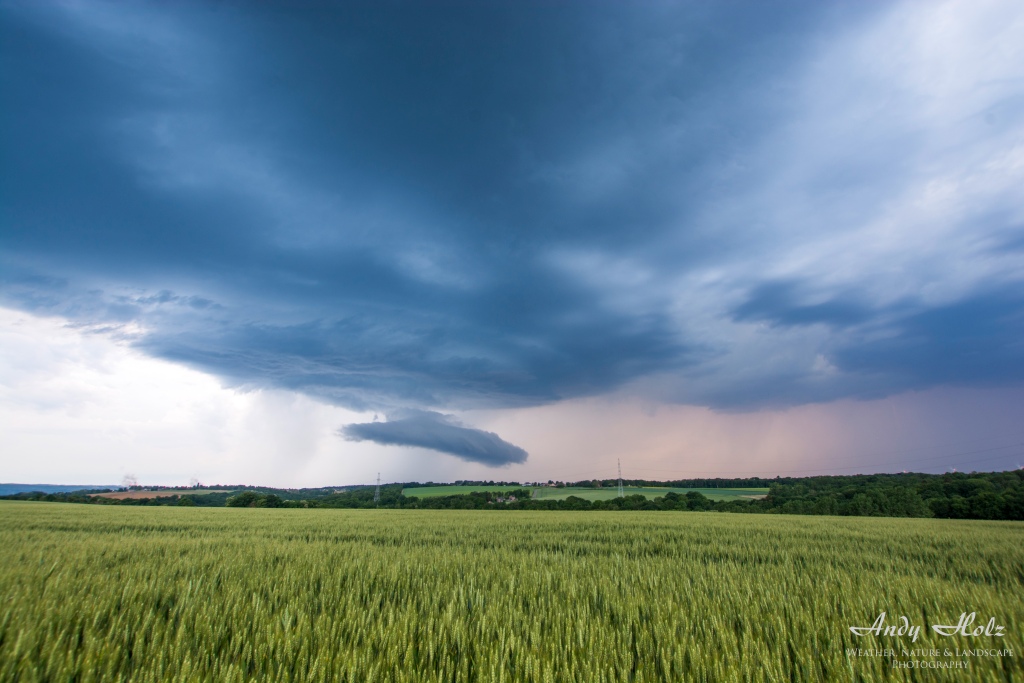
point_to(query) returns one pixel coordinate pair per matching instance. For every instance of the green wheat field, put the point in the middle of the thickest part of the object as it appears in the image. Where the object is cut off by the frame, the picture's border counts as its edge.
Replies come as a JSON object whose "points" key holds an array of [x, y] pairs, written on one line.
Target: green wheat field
{"points": [[97, 593]]}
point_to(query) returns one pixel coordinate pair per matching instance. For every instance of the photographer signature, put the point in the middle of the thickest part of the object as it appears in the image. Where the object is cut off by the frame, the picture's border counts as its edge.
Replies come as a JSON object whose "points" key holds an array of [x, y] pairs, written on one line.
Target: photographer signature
{"points": [[903, 627]]}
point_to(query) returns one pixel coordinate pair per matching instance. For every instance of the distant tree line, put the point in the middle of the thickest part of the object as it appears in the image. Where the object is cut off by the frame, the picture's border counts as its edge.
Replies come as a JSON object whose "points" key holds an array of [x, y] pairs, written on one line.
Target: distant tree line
{"points": [[975, 495], [461, 482], [957, 495]]}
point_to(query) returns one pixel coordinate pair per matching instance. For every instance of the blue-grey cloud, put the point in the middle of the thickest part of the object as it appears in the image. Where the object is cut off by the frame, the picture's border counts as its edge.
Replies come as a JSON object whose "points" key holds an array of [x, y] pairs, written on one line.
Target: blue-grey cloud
{"points": [[437, 432], [512, 204], [978, 340], [778, 304]]}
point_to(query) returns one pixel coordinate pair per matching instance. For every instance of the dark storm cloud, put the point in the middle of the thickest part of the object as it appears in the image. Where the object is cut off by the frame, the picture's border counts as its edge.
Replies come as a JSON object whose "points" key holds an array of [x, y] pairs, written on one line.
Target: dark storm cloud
{"points": [[417, 142], [976, 339], [437, 432], [497, 204], [778, 303], [979, 340]]}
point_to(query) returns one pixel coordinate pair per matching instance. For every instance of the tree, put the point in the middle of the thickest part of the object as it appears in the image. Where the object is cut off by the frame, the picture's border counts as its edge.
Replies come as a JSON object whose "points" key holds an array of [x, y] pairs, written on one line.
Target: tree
{"points": [[270, 501], [245, 499], [695, 500]]}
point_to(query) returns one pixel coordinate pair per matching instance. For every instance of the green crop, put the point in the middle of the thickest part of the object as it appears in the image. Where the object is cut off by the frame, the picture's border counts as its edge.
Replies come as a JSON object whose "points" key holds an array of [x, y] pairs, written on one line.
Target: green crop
{"points": [[95, 593]]}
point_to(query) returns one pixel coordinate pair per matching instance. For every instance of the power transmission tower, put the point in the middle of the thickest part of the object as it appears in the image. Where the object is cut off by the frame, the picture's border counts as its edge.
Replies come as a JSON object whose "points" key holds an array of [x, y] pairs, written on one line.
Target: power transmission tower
{"points": [[376, 493], [621, 494]]}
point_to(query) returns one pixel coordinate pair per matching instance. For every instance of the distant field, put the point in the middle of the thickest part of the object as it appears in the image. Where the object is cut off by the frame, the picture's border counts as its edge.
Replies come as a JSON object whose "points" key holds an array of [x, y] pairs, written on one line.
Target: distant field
{"points": [[158, 493], [551, 493], [434, 491], [112, 593]]}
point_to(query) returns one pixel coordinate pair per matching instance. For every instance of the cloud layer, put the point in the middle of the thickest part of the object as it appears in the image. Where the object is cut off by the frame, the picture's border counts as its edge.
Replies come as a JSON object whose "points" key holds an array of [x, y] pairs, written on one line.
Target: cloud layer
{"points": [[437, 432], [516, 204]]}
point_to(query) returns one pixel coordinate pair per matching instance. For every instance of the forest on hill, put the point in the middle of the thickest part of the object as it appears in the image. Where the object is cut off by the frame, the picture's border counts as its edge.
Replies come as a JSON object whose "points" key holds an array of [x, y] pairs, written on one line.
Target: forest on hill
{"points": [[957, 495]]}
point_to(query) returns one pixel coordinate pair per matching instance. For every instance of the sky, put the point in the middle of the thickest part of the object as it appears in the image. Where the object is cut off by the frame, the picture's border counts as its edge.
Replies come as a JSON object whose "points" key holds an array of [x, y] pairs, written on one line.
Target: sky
{"points": [[299, 244]]}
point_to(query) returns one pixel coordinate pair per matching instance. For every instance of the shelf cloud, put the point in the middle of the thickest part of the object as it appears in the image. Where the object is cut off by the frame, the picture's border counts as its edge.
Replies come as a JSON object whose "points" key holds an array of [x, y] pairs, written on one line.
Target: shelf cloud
{"points": [[502, 205]]}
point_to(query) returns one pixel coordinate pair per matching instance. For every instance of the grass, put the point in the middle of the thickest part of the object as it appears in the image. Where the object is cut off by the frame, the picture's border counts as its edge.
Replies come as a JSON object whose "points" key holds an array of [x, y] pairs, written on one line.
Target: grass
{"points": [[98, 593]]}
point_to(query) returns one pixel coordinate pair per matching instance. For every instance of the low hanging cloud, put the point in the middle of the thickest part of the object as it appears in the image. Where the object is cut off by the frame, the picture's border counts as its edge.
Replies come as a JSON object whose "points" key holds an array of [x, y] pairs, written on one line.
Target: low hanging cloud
{"points": [[437, 432]]}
